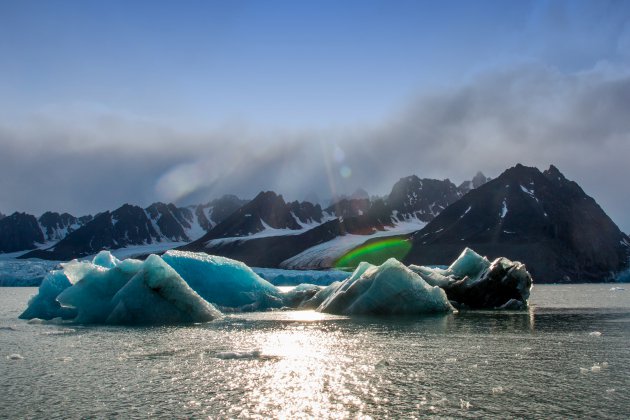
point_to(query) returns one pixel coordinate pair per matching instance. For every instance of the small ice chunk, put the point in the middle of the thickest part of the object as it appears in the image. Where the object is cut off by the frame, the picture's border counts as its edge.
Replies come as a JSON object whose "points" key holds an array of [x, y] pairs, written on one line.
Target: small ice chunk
{"points": [[605, 365], [610, 390], [464, 405], [251, 354], [15, 356], [497, 390], [583, 370], [450, 360], [596, 368], [595, 334]]}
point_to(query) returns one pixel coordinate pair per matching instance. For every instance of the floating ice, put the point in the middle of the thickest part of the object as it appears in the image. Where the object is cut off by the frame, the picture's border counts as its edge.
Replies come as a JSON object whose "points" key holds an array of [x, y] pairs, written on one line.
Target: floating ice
{"points": [[464, 405], [224, 282], [44, 305], [251, 354], [158, 295], [15, 356], [279, 277], [595, 334], [107, 290], [390, 288], [300, 295], [91, 296], [186, 287], [497, 390], [596, 368], [320, 296], [473, 282]]}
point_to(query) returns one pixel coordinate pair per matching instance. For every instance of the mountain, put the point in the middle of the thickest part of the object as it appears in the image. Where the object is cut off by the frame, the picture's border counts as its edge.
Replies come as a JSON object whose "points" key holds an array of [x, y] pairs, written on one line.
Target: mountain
{"points": [[220, 208], [421, 198], [301, 234], [539, 218], [272, 245], [18, 232], [57, 226], [266, 212], [161, 223], [129, 225], [2, 216]]}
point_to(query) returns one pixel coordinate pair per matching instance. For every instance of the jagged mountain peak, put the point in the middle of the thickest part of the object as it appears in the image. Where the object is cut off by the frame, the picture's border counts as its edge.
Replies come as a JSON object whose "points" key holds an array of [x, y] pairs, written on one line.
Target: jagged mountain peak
{"points": [[545, 221], [421, 198]]}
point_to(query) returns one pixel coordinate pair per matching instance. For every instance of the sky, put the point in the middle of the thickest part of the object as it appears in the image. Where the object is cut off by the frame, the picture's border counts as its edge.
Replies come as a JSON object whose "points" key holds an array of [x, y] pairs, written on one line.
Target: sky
{"points": [[107, 102]]}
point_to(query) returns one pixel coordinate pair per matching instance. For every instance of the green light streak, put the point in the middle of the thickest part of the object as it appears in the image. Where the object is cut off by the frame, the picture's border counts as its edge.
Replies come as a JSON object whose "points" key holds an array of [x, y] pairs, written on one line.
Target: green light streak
{"points": [[375, 253]]}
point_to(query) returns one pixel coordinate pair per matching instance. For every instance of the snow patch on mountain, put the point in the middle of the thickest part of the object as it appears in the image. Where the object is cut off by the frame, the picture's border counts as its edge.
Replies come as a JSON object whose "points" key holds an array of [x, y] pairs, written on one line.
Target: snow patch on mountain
{"points": [[325, 254]]}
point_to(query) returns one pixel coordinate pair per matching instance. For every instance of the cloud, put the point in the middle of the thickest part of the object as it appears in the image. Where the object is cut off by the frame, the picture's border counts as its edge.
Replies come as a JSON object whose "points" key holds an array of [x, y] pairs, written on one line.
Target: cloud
{"points": [[528, 113]]}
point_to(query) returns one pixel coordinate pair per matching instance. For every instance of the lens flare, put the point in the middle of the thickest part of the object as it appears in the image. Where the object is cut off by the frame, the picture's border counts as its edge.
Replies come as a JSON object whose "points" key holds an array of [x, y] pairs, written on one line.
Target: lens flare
{"points": [[375, 253]]}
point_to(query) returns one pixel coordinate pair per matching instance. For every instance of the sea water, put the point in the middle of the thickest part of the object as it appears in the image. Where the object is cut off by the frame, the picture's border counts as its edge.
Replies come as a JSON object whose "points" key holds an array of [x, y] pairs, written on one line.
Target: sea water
{"points": [[567, 356]]}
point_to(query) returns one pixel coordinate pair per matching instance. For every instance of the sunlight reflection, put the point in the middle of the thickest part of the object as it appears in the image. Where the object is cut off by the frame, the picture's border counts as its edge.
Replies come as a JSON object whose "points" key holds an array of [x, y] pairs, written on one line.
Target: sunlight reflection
{"points": [[299, 383], [306, 316]]}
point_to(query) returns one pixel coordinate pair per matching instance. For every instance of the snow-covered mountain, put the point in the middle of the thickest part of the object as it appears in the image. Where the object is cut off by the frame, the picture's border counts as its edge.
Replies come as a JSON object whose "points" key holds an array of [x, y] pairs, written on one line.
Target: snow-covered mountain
{"points": [[267, 232], [57, 226], [408, 207], [129, 225], [539, 218]]}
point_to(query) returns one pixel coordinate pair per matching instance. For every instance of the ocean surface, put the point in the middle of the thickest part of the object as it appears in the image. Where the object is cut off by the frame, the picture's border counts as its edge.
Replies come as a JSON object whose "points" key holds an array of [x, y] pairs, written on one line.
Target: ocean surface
{"points": [[568, 356]]}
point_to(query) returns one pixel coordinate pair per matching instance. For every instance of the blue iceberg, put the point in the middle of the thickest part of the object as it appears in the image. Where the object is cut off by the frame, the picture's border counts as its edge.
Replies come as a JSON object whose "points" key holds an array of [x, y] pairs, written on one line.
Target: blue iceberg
{"points": [[109, 291], [388, 289], [229, 284]]}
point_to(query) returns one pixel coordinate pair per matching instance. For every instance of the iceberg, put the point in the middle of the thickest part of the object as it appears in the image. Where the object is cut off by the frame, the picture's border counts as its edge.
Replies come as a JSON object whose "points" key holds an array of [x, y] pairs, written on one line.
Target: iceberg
{"points": [[94, 287], [44, 304], [472, 281], [110, 291], [388, 289], [228, 284], [158, 295], [281, 277]]}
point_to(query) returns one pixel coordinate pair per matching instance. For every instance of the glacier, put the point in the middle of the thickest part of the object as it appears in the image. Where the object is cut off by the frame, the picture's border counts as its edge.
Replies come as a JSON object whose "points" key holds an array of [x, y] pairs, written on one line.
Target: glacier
{"points": [[188, 287]]}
